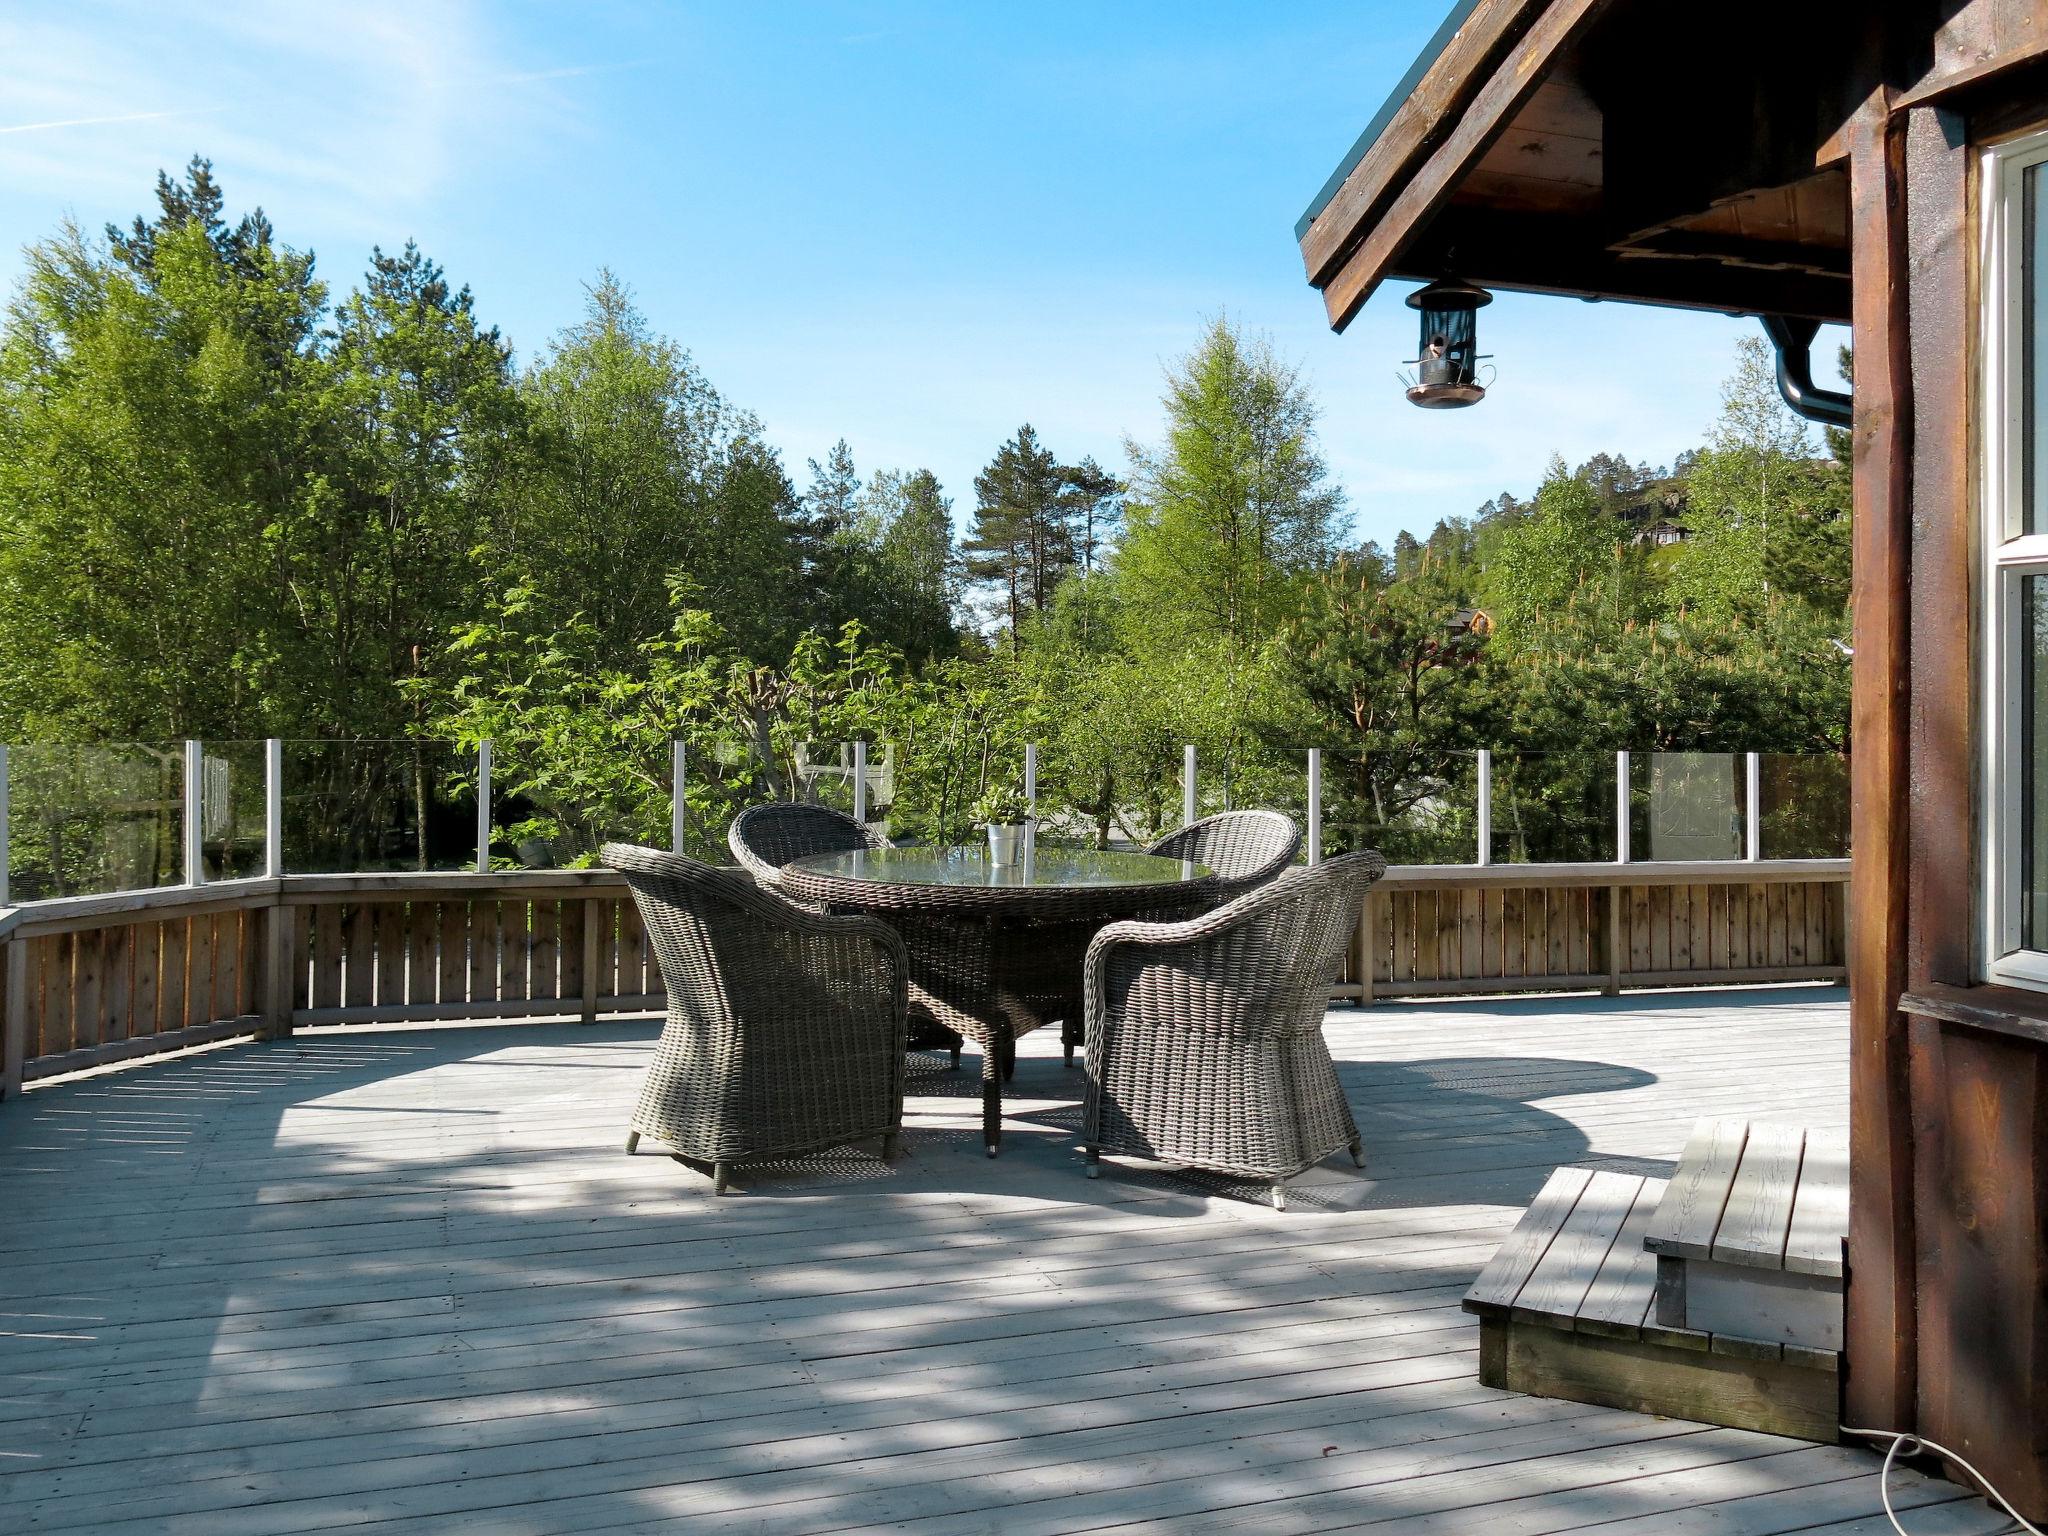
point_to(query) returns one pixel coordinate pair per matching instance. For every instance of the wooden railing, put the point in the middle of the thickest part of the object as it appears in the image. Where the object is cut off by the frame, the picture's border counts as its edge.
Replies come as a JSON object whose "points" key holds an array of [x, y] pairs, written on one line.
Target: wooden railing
{"points": [[86, 981], [89, 980], [1430, 930]]}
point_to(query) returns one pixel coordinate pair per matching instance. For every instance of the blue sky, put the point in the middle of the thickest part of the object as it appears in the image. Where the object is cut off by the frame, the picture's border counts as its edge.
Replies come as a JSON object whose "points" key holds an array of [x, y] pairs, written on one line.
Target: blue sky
{"points": [[912, 225]]}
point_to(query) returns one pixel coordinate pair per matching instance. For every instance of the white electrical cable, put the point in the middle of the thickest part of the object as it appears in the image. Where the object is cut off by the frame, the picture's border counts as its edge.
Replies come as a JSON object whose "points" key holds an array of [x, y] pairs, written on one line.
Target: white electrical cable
{"points": [[1918, 1443]]}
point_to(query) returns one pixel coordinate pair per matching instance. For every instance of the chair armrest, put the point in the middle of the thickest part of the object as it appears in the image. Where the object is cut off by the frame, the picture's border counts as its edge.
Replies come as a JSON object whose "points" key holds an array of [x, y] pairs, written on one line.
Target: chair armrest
{"points": [[1344, 879]]}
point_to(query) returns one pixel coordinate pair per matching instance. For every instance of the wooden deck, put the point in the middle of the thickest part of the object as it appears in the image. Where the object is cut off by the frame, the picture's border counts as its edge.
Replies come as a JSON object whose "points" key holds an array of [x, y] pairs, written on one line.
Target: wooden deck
{"points": [[405, 1280]]}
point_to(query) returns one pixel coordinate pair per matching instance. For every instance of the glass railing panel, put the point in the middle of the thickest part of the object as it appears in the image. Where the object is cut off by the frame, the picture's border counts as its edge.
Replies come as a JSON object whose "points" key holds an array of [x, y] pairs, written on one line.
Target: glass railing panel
{"points": [[1687, 806], [86, 820], [822, 773], [1275, 779], [1414, 807], [1554, 807], [1805, 805], [936, 785], [722, 777], [231, 808], [555, 810], [378, 805]]}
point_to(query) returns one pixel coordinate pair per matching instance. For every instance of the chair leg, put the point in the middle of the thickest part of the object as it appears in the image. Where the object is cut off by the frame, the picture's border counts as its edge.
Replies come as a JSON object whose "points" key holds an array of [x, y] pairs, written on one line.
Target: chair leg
{"points": [[1009, 1059], [889, 1147], [991, 1099], [1358, 1154], [632, 1141], [956, 1053], [1279, 1196], [1094, 1163], [721, 1175]]}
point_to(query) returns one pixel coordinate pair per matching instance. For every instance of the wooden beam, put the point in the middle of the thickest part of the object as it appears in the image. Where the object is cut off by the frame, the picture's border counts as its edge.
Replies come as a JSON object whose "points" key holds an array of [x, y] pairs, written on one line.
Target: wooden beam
{"points": [[1510, 84], [1416, 123], [1879, 1331], [1942, 309], [1513, 249]]}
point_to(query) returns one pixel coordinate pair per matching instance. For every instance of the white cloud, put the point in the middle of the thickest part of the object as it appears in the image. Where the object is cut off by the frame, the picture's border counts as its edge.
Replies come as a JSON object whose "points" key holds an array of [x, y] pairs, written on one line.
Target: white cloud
{"points": [[366, 113]]}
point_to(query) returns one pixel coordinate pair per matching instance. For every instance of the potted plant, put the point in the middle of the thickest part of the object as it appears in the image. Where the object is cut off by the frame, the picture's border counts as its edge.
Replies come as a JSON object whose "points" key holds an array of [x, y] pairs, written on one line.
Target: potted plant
{"points": [[1007, 814]]}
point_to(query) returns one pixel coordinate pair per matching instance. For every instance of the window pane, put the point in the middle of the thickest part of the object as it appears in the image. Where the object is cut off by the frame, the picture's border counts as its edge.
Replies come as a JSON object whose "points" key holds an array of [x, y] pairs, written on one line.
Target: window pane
{"points": [[2033, 762], [2033, 283]]}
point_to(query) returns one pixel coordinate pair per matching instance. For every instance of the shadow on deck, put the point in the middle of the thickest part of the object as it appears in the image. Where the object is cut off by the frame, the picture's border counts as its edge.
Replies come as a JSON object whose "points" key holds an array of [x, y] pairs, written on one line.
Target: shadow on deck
{"points": [[405, 1280]]}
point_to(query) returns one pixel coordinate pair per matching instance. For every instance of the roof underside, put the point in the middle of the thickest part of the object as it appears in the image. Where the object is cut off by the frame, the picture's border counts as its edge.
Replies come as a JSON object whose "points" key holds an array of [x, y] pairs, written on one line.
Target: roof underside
{"points": [[1621, 149]]}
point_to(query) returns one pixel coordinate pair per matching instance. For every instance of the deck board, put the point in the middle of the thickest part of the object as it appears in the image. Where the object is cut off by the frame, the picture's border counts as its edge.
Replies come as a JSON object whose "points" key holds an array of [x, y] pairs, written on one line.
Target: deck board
{"points": [[404, 1280]]}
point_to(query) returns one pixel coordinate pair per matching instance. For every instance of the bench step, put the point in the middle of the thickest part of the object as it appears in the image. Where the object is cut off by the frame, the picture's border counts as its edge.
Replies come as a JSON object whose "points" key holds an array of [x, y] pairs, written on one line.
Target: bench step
{"points": [[1748, 1236], [1569, 1309]]}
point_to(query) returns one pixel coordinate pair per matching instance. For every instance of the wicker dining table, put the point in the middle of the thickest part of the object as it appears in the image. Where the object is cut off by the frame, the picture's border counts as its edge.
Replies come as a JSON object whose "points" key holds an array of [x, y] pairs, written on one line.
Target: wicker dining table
{"points": [[996, 950]]}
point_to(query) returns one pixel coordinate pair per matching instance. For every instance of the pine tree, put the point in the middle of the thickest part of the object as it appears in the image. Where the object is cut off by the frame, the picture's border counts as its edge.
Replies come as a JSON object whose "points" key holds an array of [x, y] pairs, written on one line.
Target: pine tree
{"points": [[1023, 541]]}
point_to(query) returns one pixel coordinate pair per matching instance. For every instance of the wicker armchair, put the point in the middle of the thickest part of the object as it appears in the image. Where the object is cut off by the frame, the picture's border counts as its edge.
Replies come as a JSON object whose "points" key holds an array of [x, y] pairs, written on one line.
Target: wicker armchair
{"points": [[786, 1027], [1245, 848], [1205, 1038], [763, 838]]}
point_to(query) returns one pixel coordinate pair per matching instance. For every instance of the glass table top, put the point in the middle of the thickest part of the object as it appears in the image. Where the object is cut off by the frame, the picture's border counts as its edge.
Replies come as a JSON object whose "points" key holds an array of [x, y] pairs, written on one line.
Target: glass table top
{"points": [[1064, 868]]}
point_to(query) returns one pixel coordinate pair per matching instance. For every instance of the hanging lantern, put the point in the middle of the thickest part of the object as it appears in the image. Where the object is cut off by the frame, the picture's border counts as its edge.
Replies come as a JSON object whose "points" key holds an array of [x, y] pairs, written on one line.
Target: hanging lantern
{"points": [[1447, 358]]}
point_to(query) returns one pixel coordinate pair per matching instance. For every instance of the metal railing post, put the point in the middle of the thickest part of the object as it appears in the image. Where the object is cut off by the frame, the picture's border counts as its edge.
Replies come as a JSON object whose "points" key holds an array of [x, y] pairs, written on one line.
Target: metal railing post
{"points": [[1030, 799], [1485, 770], [483, 806], [1621, 808], [1315, 805], [6, 836], [195, 796], [860, 782], [676, 804], [1753, 807], [273, 808], [1187, 785]]}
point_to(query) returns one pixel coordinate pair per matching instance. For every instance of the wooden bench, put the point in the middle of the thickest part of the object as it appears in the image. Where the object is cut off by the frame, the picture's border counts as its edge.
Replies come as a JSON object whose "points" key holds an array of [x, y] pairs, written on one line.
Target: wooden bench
{"points": [[1568, 1306], [1749, 1237]]}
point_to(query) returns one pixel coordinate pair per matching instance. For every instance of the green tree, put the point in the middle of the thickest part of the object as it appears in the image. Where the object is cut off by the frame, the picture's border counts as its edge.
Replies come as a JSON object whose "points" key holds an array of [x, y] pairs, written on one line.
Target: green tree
{"points": [[1234, 512], [152, 446], [1023, 541], [416, 406], [637, 471]]}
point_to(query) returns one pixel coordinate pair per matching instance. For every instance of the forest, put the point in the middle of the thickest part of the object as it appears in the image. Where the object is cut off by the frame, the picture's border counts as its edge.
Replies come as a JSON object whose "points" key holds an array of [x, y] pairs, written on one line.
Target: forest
{"points": [[237, 503]]}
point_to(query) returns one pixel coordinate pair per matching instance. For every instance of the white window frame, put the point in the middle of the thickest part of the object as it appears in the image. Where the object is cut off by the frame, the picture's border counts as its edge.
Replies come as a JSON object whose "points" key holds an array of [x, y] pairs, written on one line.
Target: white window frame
{"points": [[2009, 555]]}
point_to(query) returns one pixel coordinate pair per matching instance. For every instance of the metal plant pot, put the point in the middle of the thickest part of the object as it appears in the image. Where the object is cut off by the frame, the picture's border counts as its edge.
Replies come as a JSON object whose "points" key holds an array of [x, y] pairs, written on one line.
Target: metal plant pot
{"points": [[1005, 844]]}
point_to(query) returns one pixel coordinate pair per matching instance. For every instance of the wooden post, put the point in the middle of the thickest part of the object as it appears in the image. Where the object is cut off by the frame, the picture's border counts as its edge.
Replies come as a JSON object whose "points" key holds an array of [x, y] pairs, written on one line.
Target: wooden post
{"points": [[1615, 948], [278, 950], [1364, 950], [591, 908], [1879, 1337], [13, 1017]]}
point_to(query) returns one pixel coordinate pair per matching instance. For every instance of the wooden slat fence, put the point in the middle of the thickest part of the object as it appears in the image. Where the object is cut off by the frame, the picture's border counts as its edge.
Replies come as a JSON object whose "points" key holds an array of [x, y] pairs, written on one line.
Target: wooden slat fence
{"points": [[1437, 932], [371, 957], [91, 980]]}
